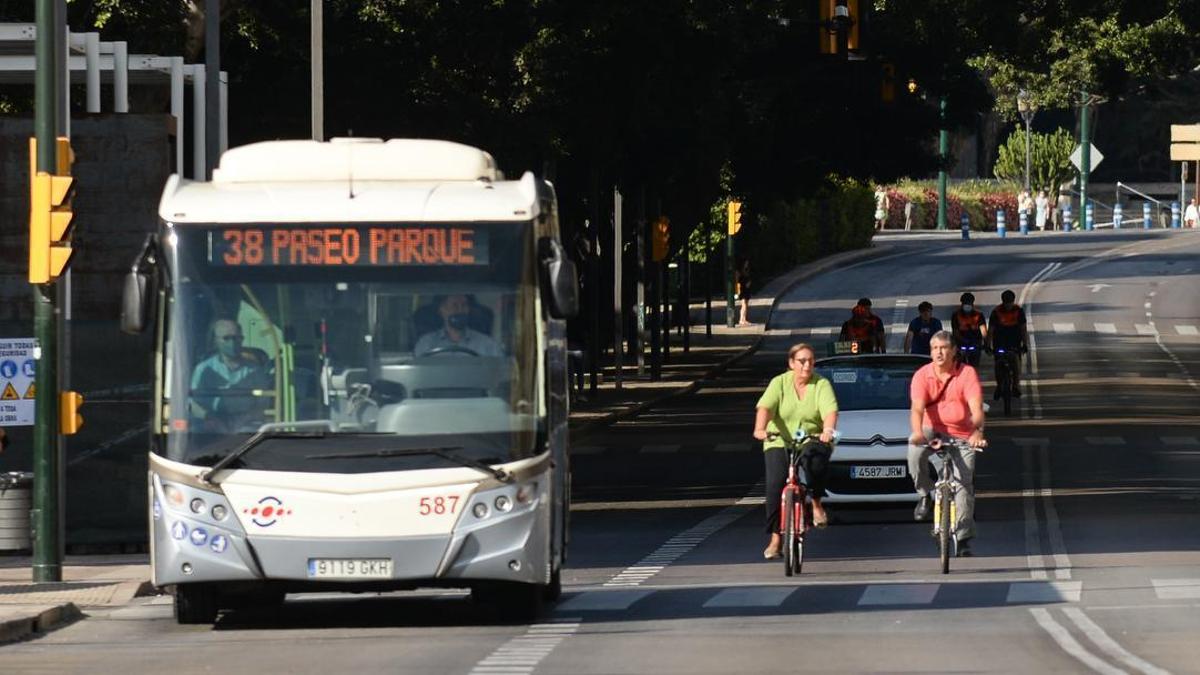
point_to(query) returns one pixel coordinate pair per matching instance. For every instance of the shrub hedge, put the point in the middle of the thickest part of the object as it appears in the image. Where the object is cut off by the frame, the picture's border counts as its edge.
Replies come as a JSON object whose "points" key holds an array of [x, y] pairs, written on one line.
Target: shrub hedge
{"points": [[978, 199]]}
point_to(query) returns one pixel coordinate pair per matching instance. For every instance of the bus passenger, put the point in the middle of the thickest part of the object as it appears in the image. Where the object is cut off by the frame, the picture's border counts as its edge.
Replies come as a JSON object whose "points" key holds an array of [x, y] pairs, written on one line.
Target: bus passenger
{"points": [[223, 384], [455, 336]]}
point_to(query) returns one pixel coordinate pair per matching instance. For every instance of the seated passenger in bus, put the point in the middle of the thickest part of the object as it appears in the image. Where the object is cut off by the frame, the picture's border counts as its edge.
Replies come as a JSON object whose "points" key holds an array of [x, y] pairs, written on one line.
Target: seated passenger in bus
{"points": [[223, 384], [455, 335]]}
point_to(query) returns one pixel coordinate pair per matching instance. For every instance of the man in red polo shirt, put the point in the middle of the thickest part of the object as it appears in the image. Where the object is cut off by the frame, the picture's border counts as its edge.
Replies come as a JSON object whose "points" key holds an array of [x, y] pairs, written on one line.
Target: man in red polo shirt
{"points": [[947, 399]]}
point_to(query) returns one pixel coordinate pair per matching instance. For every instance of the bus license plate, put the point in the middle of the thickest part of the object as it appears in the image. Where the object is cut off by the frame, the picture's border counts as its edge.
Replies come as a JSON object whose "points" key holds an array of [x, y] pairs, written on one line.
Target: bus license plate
{"points": [[891, 471], [349, 568]]}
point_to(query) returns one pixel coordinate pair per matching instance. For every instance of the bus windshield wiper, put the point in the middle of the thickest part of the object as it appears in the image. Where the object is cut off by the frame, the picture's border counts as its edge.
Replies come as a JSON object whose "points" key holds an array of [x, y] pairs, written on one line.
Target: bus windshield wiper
{"points": [[320, 429], [444, 453]]}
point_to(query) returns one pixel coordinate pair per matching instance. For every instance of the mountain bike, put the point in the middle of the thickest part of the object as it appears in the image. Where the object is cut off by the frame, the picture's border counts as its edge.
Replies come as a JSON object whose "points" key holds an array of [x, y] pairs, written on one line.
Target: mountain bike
{"points": [[947, 487], [1005, 369], [795, 510]]}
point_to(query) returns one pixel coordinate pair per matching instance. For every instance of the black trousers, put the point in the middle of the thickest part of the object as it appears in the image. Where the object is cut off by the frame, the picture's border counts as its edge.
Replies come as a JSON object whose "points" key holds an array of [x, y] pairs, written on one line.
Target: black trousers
{"points": [[815, 463]]}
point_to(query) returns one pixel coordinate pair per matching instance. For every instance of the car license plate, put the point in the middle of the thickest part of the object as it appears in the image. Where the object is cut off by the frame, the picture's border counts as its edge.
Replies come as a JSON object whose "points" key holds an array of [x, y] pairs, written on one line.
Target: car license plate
{"points": [[349, 568], [889, 471]]}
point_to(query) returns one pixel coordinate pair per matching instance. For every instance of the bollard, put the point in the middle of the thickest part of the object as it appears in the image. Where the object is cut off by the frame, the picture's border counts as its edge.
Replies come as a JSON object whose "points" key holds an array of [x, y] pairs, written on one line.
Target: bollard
{"points": [[1175, 224], [1089, 217], [1023, 222], [1118, 217], [966, 227], [1145, 215], [1067, 218]]}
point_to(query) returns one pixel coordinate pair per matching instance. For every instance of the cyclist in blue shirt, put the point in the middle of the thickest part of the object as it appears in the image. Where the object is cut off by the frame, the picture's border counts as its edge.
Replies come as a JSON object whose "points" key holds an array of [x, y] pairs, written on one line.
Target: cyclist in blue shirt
{"points": [[916, 340]]}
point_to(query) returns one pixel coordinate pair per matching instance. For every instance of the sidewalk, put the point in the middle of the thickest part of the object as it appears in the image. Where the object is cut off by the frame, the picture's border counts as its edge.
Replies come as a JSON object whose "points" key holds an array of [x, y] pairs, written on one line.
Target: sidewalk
{"points": [[707, 357], [28, 609]]}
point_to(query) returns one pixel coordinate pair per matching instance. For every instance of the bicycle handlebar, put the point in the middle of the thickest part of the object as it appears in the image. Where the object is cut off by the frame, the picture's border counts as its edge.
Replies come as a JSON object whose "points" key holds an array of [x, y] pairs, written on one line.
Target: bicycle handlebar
{"points": [[938, 442]]}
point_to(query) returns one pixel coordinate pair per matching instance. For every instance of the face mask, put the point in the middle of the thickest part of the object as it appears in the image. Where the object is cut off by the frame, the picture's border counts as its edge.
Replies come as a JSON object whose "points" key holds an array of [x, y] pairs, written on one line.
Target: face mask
{"points": [[457, 321], [968, 308]]}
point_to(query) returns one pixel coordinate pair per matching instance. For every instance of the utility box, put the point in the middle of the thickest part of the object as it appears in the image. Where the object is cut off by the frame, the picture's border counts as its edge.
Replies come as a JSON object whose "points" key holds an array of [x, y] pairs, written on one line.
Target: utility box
{"points": [[16, 492]]}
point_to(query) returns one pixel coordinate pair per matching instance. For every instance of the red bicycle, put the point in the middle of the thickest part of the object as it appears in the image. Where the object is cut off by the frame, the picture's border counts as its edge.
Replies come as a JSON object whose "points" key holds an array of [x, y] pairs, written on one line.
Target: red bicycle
{"points": [[795, 510]]}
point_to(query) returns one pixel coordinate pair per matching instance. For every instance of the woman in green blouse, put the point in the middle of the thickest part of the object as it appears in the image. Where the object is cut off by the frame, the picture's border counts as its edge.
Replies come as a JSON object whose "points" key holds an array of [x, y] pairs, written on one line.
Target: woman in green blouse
{"points": [[798, 400]]}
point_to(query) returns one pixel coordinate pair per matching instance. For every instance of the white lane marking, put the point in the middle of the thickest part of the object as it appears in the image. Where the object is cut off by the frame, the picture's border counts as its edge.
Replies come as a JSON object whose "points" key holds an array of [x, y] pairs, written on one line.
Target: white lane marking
{"points": [[1033, 540], [1104, 440], [1109, 328], [1144, 328], [587, 450], [1028, 592], [899, 327], [1147, 305], [752, 501], [660, 449], [751, 597], [1070, 645], [1176, 589], [1187, 330], [899, 594], [1064, 328], [731, 447], [1109, 646], [1062, 562], [523, 653], [1187, 375], [1179, 440], [1029, 291], [823, 331], [600, 601]]}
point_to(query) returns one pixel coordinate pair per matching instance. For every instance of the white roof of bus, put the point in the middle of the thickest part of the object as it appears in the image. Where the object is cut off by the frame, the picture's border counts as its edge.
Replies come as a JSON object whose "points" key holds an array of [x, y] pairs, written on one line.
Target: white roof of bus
{"points": [[352, 180]]}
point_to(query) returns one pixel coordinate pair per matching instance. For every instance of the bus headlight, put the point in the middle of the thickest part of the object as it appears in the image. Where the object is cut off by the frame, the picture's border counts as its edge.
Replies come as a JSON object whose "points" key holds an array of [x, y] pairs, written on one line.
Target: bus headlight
{"points": [[197, 505], [480, 510], [219, 512], [503, 504]]}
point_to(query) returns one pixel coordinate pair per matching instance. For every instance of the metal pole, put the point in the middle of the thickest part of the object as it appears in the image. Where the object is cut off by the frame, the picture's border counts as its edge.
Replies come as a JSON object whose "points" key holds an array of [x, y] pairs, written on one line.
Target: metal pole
{"points": [[618, 310], [212, 85], [121, 77], [1028, 162], [318, 71], [686, 302], [91, 42], [729, 310], [44, 516], [1085, 153], [177, 110], [943, 159]]}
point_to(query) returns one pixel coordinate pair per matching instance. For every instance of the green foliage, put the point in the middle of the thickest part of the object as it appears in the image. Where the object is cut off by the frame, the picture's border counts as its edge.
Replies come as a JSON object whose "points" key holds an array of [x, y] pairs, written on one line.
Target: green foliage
{"points": [[1050, 159]]}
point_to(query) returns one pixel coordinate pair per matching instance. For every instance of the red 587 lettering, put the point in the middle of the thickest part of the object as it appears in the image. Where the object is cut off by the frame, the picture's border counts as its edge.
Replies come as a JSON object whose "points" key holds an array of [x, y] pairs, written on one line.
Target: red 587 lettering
{"points": [[438, 506]]}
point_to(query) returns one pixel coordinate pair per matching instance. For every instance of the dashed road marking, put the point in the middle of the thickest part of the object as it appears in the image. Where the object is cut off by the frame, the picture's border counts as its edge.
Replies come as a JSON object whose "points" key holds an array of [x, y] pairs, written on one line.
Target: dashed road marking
{"points": [[523, 653], [1109, 328], [1145, 328], [771, 596], [1031, 592], [1187, 330], [1064, 328], [898, 594], [1176, 589]]}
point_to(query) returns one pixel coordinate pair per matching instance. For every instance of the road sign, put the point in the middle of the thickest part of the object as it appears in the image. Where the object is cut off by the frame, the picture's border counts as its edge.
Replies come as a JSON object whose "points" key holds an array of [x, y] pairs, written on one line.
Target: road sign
{"points": [[17, 369], [1077, 157]]}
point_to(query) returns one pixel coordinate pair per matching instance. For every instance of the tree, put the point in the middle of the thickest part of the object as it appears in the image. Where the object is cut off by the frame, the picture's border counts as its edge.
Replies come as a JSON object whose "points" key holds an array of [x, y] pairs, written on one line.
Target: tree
{"points": [[1050, 159]]}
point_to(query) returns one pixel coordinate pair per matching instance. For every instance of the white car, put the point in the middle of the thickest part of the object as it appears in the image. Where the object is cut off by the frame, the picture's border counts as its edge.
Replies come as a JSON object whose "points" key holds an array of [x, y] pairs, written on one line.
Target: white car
{"points": [[870, 463]]}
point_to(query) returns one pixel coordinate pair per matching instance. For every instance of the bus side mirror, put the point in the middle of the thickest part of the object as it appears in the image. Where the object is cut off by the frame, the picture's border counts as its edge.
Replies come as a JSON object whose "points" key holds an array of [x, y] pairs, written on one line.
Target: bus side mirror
{"points": [[135, 303], [559, 280]]}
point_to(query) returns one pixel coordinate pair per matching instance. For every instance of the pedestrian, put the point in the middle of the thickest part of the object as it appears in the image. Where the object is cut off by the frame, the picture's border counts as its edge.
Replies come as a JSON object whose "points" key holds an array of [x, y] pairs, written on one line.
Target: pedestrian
{"points": [[882, 203], [796, 401], [1191, 215], [1042, 204], [920, 329], [1025, 205], [1064, 205], [909, 207], [744, 283]]}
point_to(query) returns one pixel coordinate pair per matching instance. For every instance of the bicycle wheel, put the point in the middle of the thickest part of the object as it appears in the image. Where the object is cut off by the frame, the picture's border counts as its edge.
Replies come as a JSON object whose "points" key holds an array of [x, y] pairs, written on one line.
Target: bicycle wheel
{"points": [[788, 509], [803, 520], [1006, 387], [945, 531]]}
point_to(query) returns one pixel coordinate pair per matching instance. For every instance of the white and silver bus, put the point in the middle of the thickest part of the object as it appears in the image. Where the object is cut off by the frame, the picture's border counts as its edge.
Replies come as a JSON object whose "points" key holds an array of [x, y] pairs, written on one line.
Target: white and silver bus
{"points": [[360, 376]]}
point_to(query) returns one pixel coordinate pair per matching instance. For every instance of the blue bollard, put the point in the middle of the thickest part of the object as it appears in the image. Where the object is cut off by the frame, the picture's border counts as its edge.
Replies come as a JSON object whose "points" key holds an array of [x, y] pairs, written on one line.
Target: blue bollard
{"points": [[1001, 223], [1175, 224], [1118, 217], [1089, 217], [1067, 218], [966, 228], [1145, 215]]}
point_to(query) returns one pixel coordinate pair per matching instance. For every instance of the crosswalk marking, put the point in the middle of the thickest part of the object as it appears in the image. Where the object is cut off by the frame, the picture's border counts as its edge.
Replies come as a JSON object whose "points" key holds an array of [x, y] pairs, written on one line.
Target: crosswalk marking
{"points": [[1187, 330], [898, 594], [771, 596], [1179, 440], [599, 601], [1144, 329], [1064, 328], [1109, 328], [822, 331], [1104, 440], [1176, 589], [1023, 592]]}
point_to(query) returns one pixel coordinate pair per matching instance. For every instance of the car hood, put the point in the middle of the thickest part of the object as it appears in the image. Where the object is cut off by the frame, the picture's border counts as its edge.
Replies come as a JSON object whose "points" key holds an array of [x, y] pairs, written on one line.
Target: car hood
{"points": [[873, 427]]}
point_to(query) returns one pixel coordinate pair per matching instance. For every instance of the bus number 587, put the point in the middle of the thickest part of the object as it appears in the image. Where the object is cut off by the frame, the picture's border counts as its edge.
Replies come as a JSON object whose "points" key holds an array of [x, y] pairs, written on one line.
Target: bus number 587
{"points": [[438, 506]]}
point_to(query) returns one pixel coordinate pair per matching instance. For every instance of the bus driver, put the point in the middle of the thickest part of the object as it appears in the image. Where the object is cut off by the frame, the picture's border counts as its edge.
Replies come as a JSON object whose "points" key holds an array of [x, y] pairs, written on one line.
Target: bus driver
{"points": [[223, 384], [455, 335]]}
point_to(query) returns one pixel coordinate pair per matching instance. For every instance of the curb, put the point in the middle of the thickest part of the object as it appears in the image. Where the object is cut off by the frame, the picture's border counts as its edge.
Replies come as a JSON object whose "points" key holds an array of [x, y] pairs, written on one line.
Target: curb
{"points": [[45, 621], [787, 283]]}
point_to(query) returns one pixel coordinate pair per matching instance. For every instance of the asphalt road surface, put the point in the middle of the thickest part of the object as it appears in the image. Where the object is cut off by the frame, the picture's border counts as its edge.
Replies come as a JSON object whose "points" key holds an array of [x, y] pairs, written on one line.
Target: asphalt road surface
{"points": [[1088, 557]]}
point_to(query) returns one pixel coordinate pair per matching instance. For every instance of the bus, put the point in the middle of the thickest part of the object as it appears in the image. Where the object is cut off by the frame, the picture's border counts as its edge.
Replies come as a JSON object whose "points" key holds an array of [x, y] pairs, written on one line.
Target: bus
{"points": [[360, 377]]}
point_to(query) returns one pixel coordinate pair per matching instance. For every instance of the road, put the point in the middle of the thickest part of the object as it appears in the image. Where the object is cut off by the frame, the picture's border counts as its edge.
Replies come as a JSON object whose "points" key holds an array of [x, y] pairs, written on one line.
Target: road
{"points": [[1088, 558]]}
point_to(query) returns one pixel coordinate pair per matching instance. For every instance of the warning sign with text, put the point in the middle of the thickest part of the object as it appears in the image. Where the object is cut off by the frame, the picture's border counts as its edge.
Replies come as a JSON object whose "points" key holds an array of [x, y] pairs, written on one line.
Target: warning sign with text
{"points": [[17, 367]]}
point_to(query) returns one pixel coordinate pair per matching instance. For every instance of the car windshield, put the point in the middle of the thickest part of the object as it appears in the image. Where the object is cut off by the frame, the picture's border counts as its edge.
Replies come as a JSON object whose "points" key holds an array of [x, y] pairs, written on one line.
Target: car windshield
{"points": [[340, 360], [870, 384]]}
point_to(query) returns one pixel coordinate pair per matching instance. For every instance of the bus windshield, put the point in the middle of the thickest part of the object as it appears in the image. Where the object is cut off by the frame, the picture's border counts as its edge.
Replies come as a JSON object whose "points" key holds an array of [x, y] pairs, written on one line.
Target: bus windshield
{"points": [[345, 345]]}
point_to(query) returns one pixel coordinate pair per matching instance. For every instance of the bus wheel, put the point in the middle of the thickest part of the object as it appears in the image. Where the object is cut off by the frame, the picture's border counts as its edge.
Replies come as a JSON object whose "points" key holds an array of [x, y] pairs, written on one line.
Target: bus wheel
{"points": [[195, 604], [513, 601]]}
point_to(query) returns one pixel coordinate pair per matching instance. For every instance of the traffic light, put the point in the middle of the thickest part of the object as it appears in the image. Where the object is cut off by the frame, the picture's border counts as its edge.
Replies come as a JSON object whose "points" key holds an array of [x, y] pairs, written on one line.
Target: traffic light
{"points": [[660, 243], [735, 216], [50, 215], [69, 419]]}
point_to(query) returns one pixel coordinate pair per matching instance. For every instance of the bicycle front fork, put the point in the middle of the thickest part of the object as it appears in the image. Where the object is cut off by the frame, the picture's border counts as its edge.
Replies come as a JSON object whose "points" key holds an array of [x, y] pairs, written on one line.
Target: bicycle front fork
{"points": [[940, 496]]}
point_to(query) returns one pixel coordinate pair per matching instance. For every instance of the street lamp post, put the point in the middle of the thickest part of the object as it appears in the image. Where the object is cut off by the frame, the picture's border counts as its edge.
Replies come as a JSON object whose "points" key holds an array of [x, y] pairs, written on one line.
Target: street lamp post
{"points": [[1027, 110]]}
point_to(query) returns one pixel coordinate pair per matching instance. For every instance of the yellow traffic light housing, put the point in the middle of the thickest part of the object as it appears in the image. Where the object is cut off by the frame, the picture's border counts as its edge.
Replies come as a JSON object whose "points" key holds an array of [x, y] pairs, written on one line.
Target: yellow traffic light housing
{"points": [[660, 243], [69, 419], [50, 215], [735, 216]]}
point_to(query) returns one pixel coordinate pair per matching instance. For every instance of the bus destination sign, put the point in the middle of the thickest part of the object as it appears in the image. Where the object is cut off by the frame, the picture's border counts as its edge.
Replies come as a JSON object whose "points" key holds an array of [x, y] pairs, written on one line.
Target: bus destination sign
{"points": [[378, 245]]}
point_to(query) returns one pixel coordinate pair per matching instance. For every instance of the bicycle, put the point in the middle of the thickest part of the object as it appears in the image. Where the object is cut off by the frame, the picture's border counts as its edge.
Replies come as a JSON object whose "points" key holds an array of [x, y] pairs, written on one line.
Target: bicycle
{"points": [[969, 351], [1005, 369], [947, 487], [795, 512]]}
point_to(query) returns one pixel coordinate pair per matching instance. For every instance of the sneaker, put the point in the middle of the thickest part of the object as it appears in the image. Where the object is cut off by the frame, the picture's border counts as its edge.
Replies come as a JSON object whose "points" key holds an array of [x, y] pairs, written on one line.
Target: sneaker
{"points": [[924, 509], [964, 549]]}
